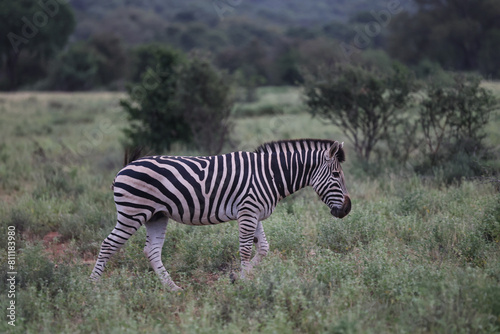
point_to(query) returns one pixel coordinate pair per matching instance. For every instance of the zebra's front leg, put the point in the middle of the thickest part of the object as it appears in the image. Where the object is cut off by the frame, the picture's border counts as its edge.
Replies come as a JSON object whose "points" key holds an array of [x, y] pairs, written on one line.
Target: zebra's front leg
{"points": [[261, 244], [247, 225], [156, 229]]}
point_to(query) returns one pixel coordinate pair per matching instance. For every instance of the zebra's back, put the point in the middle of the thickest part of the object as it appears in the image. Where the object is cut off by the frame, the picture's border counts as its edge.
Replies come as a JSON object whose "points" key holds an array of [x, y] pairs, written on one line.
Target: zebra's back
{"points": [[190, 190]]}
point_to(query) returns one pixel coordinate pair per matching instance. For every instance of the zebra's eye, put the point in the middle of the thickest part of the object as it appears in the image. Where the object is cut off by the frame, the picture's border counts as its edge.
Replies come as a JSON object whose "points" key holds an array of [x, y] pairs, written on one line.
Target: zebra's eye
{"points": [[336, 174]]}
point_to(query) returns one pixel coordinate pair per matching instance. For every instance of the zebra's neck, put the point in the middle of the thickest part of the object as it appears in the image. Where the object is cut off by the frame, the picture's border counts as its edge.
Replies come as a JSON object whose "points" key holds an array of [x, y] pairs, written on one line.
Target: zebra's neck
{"points": [[294, 162], [293, 170]]}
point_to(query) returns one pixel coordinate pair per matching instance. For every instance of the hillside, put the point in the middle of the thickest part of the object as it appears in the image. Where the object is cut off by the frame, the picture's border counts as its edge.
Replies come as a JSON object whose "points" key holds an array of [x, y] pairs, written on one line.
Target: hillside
{"points": [[146, 20]]}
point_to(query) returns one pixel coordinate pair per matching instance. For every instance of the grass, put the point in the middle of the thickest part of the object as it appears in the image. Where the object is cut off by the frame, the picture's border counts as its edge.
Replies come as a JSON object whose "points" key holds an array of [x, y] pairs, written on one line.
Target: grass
{"points": [[413, 256]]}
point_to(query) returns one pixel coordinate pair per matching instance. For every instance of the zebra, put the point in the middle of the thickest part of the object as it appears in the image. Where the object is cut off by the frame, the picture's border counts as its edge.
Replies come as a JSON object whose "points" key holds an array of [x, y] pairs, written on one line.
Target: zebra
{"points": [[243, 186]]}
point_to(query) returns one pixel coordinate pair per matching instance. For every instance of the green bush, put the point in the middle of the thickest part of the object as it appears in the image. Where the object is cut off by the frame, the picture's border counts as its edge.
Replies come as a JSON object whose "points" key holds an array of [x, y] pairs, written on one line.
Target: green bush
{"points": [[284, 232], [114, 60], [331, 268], [365, 105], [21, 219], [143, 58], [219, 244], [151, 108], [54, 180], [178, 100], [34, 269], [453, 121], [471, 249], [490, 224], [341, 236], [75, 69], [203, 97]]}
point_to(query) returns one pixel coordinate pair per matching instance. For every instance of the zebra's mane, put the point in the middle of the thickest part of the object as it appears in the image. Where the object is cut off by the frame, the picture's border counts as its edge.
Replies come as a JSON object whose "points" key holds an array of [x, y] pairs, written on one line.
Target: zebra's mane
{"points": [[273, 146]]}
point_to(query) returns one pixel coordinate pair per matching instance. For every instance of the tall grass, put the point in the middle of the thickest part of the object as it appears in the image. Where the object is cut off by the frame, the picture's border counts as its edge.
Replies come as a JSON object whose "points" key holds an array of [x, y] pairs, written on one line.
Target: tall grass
{"points": [[413, 256]]}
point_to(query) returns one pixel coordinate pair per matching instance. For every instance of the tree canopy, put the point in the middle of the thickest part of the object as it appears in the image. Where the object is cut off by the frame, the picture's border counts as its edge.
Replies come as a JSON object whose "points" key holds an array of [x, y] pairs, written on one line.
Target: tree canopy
{"points": [[458, 34], [32, 28], [265, 42], [178, 100]]}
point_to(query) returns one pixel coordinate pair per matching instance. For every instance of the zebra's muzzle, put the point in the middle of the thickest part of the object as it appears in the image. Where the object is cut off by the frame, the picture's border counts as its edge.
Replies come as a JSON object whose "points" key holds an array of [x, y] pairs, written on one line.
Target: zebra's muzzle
{"points": [[344, 210]]}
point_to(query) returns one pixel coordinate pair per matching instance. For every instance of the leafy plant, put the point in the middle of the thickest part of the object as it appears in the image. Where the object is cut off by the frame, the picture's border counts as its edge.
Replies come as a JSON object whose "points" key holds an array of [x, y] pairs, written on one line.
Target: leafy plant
{"points": [[365, 105], [203, 95], [453, 121], [178, 100], [24, 34], [76, 69], [155, 119], [456, 115]]}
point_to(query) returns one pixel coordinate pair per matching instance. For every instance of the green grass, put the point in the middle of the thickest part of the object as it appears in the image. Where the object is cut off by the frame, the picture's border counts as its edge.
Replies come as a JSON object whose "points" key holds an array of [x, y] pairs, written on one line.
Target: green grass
{"points": [[413, 256]]}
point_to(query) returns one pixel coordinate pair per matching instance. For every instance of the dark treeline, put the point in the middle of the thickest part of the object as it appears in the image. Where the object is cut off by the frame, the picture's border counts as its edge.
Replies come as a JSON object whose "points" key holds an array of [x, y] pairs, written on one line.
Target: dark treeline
{"points": [[101, 45]]}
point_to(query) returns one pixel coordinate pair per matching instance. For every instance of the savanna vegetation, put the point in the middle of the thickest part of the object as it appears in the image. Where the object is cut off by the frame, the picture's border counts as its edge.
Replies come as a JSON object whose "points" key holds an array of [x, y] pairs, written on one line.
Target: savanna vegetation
{"points": [[401, 82], [416, 254], [264, 42]]}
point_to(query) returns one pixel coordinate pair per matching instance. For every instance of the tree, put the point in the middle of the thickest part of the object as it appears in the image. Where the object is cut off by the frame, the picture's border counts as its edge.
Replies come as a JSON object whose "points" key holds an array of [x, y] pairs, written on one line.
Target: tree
{"points": [[155, 119], [488, 54], [147, 56], [455, 117], [37, 28], [75, 69], [203, 94], [365, 105], [114, 60], [456, 33], [178, 100], [86, 65]]}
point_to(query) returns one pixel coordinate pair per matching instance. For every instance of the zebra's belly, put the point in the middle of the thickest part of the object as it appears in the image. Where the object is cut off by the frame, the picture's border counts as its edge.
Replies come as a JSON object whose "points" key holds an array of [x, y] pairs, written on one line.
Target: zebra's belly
{"points": [[206, 219]]}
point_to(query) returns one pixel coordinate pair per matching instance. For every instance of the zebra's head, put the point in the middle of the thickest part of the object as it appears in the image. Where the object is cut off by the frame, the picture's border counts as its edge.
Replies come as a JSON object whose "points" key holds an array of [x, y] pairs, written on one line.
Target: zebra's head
{"points": [[329, 182]]}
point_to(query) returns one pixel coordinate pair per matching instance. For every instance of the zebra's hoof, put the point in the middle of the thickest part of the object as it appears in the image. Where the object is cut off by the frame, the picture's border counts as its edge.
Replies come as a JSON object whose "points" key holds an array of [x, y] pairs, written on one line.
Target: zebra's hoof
{"points": [[233, 277], [94, 279]]}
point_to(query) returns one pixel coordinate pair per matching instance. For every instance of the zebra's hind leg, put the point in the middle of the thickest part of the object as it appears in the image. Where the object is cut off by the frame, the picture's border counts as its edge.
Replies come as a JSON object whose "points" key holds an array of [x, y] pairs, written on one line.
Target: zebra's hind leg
{"points": [[125, 227], [156, 229], [247, 224], [261, 244]]}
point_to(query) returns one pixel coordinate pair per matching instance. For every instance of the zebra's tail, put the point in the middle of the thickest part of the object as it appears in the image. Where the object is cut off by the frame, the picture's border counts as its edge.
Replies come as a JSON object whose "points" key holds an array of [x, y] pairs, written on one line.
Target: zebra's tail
{"points": [[132, 153]]}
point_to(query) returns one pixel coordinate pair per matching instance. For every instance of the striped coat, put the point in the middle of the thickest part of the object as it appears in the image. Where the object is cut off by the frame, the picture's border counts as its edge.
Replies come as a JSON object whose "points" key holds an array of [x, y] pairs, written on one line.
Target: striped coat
{"points": [[243, 186]]}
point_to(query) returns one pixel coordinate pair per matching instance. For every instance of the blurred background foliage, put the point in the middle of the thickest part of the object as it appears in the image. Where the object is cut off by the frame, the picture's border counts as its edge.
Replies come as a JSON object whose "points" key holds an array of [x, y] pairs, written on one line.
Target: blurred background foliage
{"points": [[391, 74], [403, 82], [95, 45]]}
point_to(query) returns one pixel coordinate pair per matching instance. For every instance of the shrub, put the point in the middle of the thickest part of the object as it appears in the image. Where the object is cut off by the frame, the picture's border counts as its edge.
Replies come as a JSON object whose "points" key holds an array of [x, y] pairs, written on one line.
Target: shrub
{"points": [[75, 69], [453, 121], [453, 118], [178, 100], [114, 59], [471, 249], [155, 119], [341, 236], [490, 227], [54, 180], [284, 232], [21, 219], [203, 96], [35, 269], [218, 244], [364, 104], [145, 57]]}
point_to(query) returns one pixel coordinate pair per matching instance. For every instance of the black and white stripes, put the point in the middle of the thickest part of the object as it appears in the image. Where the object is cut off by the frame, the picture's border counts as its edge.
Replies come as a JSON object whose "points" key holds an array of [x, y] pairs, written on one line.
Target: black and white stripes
{"points": [[245, 186]]}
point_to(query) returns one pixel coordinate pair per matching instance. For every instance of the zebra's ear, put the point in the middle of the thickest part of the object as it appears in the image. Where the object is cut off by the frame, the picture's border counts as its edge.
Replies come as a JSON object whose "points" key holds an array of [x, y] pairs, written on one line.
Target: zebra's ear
{"points": [[333, 150]]}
